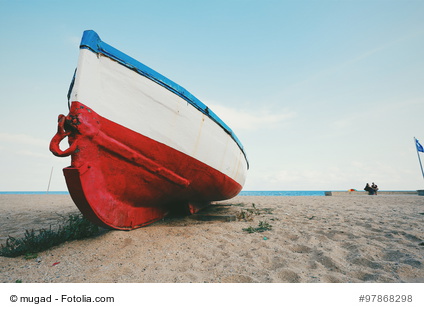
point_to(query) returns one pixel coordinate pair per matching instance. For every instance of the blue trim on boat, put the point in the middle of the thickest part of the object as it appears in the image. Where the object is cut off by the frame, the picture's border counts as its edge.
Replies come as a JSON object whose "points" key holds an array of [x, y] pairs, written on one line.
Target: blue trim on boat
{"points": [[91, 41]]}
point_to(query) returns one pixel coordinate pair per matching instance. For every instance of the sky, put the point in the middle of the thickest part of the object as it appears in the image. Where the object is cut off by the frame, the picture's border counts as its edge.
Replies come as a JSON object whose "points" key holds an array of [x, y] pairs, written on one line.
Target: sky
{"points": [[324, 95]]}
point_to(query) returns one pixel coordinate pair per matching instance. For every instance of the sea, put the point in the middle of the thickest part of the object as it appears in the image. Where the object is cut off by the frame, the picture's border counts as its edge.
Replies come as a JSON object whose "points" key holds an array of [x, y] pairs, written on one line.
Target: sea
{"points": [[242, 193]]}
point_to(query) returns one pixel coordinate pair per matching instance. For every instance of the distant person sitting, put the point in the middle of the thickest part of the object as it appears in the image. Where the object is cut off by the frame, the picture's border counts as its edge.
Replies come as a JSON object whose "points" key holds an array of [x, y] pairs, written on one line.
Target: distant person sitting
{"points": [[369, 189], [375, 187]]}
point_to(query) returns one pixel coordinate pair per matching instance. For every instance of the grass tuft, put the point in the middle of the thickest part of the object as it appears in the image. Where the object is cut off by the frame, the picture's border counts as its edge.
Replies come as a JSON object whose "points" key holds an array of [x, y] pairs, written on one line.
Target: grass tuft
{"points": [[249, 214], [76, 227], [263, 226]]}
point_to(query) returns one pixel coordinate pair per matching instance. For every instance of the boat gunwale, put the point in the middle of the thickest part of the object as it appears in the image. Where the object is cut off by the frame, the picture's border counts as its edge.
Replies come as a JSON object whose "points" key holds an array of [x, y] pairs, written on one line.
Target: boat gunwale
{"points": [[92, 41]]}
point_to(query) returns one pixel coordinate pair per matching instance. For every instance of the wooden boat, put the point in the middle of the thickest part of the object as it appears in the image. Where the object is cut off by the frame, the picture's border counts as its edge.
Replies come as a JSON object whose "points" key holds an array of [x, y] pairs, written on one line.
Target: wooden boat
{"points": [[141, 146]]}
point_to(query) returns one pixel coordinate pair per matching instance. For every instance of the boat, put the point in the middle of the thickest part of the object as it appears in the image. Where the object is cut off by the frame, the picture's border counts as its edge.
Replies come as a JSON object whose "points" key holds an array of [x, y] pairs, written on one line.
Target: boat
{"points": [[141, 146]]}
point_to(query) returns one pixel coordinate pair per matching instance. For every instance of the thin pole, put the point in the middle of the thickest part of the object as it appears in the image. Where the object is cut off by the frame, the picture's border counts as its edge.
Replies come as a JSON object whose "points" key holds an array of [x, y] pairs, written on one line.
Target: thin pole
{"points": [[51, 172], [418, 154]]}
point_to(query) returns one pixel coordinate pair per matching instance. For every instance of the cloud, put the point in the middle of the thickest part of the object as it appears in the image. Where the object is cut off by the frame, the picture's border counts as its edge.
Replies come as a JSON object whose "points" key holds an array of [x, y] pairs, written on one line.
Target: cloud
{"points": [[29, 153], [23, 139], [339, 176], [74, 41], [248, 119]]}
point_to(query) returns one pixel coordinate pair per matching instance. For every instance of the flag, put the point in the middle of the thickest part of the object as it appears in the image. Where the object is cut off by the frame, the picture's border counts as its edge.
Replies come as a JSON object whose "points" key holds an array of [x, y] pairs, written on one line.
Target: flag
{"points": [[419, 146]]}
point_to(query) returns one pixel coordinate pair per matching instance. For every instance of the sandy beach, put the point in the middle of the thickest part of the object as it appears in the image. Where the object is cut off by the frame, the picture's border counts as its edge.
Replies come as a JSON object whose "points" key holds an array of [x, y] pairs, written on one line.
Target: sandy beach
{"points": [[350, 239]]}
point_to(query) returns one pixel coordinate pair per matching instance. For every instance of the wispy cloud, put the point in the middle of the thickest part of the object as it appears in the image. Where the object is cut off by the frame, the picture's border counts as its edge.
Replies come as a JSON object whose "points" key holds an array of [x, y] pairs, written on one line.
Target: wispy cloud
{"points": [[23, 139], [74, 41], [35, 154], [342, 66], [248, 119], [312, 179]]}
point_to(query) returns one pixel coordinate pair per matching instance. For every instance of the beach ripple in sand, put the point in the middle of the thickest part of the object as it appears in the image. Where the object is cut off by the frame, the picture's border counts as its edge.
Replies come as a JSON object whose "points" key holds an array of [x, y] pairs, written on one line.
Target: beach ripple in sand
{"points": [[313, 239]]}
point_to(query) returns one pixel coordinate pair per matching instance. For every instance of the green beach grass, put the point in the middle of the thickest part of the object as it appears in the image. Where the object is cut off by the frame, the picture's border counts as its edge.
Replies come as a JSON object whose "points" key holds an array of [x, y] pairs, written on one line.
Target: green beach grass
{"points": [[74, 228]]}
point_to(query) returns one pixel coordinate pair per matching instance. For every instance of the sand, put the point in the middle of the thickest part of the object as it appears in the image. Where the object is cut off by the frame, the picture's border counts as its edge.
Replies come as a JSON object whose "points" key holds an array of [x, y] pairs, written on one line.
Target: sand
{"points": [[350, 239]]}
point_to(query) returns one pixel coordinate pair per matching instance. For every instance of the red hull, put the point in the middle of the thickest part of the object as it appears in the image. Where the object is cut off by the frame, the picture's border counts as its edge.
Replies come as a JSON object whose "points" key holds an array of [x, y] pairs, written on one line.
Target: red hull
{"points": [[121, 179]]}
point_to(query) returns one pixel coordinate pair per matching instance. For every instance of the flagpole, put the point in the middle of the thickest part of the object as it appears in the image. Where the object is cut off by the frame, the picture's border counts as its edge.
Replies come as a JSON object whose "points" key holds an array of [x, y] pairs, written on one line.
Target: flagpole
{"points": [[418, 154], [51, 172]]}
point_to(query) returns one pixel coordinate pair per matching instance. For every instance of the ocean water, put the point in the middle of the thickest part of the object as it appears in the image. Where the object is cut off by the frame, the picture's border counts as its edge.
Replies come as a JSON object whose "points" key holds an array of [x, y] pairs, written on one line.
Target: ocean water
{"points": [[283, 193], [242, 193]]}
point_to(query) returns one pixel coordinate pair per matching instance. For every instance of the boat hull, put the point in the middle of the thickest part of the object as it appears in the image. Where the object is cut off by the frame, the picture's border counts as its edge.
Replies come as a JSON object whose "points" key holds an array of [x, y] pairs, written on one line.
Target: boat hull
{"points": [[141, 146]]}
